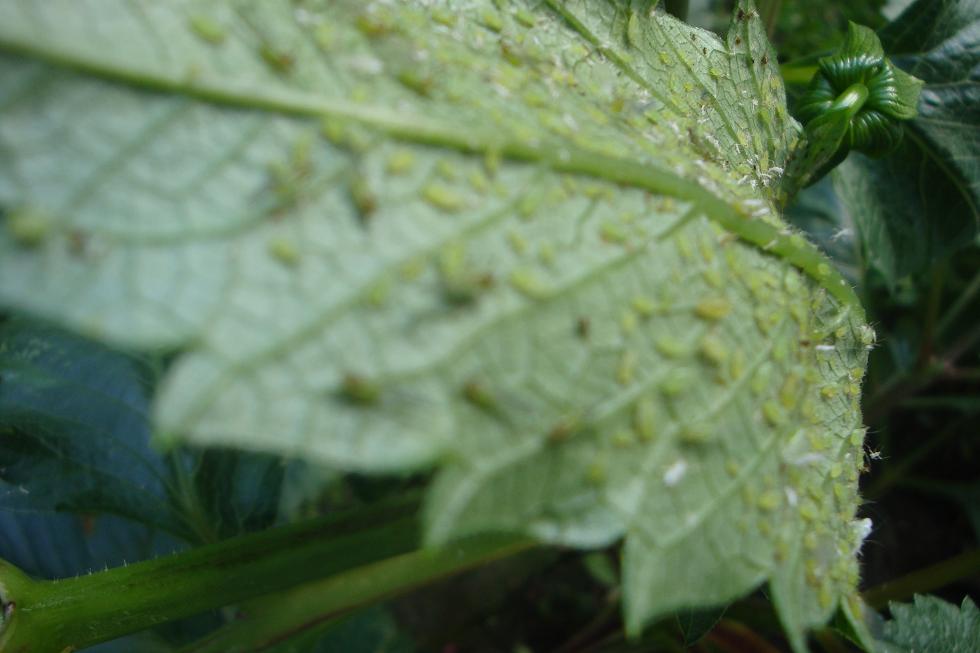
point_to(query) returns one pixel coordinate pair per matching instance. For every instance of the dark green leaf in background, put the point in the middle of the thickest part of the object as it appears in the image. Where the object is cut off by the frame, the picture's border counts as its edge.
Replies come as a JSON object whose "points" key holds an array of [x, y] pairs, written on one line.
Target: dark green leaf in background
{"points": [[931, 625], [74, 434], [921, 204]]}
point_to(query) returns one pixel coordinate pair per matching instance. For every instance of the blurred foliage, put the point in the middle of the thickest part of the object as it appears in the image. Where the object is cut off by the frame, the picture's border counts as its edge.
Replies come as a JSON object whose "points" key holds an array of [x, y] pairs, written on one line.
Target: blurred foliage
{"points": [[805, 28]]}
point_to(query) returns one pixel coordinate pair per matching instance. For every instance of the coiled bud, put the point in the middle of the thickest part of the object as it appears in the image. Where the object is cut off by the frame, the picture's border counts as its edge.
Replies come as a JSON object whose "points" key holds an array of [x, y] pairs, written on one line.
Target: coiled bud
{"points": [[856, 100]]}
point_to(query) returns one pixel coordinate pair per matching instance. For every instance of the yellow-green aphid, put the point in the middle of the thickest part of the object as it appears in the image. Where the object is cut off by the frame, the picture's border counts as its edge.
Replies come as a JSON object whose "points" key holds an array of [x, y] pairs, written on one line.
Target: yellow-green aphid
{"points": [[627, 367], [645, 419], [713, 308], [364, 199], [357, 389], [277, 60], [284, 251], [206, 28], [527, 283], [28, 227], [445, 198], [479, 396], [633, 30]]}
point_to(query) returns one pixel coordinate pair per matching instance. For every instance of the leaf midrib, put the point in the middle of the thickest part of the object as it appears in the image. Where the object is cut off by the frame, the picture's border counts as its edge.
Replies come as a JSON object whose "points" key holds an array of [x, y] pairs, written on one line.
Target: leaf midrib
{"points": [[411, 128]]}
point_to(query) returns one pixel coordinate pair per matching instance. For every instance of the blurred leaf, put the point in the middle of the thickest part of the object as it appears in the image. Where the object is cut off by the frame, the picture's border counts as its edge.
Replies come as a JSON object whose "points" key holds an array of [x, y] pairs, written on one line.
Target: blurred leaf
{"points": [[920, 204], [601, 568], [965, 495], [239, 491], [75, 437], [931, 625], [818, 210], [807, 28], [62, 546], [369, 631], [695, 624], [74, 434]]}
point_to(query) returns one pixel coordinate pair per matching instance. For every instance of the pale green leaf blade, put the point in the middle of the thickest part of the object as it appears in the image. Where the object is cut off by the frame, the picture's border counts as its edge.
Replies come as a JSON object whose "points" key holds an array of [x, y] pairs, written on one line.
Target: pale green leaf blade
{"points": [[532, 243]]}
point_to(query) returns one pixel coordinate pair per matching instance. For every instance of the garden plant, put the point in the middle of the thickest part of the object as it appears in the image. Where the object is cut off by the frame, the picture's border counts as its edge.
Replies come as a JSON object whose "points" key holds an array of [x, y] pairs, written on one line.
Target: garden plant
{"points": [[489, 325]]}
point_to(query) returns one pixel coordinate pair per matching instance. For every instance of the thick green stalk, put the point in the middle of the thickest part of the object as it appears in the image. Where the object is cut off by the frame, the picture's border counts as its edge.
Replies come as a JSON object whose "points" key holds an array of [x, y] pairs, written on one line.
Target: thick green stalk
{"points": [[55, 616], [965, 565], [281, 616]]}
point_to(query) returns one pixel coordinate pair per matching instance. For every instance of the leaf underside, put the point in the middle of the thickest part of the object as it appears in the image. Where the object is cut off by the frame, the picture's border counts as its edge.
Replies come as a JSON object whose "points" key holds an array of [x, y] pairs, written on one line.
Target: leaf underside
{"points": [[533, 243]]}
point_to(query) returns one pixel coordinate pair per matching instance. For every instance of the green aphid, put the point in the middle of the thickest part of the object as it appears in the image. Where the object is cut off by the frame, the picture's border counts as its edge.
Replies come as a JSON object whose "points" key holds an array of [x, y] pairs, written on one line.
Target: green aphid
{"points": [[359, 390], [528, 283], [479, 396], [445, 198], [28, 228], [278, 60], [284, 251], [207, 29], [363, 197]]}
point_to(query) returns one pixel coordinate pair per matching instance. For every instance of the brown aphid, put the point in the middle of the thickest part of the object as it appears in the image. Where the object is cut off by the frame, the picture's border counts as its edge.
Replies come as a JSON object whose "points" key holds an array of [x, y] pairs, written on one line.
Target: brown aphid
{"points": [[77, 242], [359, 390], [765, 60], [741, 15], [564, 429], [582, 327]]}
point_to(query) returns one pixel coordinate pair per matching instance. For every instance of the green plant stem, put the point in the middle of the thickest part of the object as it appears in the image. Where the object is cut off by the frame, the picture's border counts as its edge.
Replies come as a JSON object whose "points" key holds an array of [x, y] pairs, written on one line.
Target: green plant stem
{"points": [[937, 278], [281, 616], [678, 8], [54, 616], [733, 637], [829, 641], [963, 301], [924, 580]]}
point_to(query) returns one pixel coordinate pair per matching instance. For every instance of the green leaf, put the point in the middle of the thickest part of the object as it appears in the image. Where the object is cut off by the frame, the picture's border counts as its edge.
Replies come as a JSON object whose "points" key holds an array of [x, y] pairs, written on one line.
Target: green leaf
{"points": [[370, 631], [855, 101], [931, 625], [238, 491], [74, 416], [535, 245], [861, 40], [921, 204], [61, 546], [695, 624], [75, 432]]}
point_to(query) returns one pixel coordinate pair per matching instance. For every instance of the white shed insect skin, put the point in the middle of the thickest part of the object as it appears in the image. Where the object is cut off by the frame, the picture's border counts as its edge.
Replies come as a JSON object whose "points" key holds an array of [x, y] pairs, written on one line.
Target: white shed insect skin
{"points": [[791, 497], [675, 473], [824, 348], [862, 528]]}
